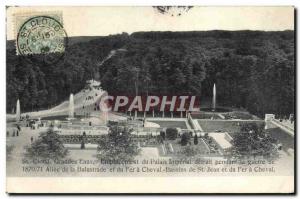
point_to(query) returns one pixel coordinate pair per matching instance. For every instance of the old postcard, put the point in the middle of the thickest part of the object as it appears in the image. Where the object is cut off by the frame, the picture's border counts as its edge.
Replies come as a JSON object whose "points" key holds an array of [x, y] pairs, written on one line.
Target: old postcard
{"points": [[162, 99]]}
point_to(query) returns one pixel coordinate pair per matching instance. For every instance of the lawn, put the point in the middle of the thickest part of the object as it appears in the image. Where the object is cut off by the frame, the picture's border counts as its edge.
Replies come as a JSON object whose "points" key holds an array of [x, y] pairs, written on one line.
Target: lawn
{"points": [[238, 115], [177, 148], [203, 115], [285, 139], [223, 125], [170, 124]]}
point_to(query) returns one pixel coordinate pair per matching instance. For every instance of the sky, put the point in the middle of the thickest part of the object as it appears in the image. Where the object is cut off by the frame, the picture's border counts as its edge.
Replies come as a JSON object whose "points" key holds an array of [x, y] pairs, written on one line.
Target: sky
{"points": [[102, 21]]}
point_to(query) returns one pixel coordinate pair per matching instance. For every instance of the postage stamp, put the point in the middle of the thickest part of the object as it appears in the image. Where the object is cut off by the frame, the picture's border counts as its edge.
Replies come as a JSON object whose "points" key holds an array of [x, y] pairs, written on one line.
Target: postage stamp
{"points": [[40, 34]]}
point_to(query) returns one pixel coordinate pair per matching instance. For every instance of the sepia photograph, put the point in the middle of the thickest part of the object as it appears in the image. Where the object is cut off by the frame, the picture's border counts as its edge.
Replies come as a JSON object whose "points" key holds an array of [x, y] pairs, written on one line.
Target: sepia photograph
{"points": [[187, 94]]}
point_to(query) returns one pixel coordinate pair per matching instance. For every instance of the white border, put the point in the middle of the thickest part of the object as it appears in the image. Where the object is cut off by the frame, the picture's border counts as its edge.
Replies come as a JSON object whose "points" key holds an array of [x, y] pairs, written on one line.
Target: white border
{"points": [[296, 3]]}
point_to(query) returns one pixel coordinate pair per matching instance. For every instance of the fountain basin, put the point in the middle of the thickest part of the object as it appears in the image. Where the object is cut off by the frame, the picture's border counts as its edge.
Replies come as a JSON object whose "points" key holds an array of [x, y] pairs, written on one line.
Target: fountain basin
{"points": [[62, 118], [216, 110]]}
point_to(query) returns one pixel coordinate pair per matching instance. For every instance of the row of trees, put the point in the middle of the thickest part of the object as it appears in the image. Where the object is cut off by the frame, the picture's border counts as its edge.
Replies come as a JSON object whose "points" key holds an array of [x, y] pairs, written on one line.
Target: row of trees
{"points": [[41, 85], [252, 141], [117, 145], [252, 69]]}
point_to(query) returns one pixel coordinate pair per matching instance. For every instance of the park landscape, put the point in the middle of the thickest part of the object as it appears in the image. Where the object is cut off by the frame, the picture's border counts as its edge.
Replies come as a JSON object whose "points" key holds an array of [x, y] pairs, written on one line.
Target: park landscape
{"points": [[244, 81]]}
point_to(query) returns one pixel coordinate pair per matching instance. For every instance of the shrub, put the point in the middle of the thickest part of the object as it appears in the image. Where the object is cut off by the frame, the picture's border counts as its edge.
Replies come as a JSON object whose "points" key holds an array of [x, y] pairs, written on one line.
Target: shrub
{"points": [[171, 133], [163, 135], [189, 151], [160, 139], [196, 139], [117, 145], [185, 138], [9, 149], [47, 146], [254, 141]]}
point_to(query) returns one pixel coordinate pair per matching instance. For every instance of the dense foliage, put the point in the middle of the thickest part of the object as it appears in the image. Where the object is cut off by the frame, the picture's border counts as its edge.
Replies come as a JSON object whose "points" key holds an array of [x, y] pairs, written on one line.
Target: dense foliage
{"points": [[253, 141], [41, 85], [47, 146], [189, 151], [196, 139], [252, 69], [117, 145], [185, 139], [171, 133]]}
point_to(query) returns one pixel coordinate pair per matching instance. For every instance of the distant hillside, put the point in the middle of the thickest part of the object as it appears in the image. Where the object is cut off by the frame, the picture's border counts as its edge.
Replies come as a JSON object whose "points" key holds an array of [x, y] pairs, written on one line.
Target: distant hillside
{"points": [[252, 69], [10, 44], [288, 34]]}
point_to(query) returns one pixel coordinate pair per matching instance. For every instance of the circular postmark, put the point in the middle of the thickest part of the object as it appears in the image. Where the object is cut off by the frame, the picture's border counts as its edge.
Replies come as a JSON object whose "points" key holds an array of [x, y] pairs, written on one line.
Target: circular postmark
{"points": [[42, 38]]}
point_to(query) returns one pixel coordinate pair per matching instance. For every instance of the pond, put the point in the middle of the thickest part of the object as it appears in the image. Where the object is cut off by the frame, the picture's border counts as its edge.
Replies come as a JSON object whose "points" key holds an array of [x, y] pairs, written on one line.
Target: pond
{"points": [[219, 110], [170, 124], [61, 117]]}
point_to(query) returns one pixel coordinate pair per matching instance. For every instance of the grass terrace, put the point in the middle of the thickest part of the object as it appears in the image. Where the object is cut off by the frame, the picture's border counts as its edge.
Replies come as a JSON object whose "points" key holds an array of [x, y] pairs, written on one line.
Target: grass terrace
{"points": [[170, 124], [223, 125], [238, 115], [285, 139], [201, 148], [205, 115]]}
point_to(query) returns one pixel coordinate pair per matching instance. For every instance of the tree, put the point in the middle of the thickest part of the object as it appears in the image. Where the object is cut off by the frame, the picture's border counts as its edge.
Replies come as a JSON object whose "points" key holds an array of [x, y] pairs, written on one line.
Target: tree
{"points": [[47, 146], [117, 145], [185, 138], [160, 139], [195, 139], [82, 145], [171, 133], [253, 141], [162, 134]]}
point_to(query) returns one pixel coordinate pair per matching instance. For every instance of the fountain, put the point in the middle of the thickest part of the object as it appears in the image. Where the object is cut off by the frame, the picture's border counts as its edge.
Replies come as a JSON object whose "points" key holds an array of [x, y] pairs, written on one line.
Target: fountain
{"points": [[104, 112], [214, 107], [18, 111], [135, 114], [71, 107], [214, 98]]}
